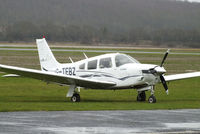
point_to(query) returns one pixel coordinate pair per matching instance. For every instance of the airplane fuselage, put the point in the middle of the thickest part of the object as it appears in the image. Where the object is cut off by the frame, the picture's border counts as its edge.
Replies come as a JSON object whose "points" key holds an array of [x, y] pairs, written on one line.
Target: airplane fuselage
{"points": [[128, 74]]}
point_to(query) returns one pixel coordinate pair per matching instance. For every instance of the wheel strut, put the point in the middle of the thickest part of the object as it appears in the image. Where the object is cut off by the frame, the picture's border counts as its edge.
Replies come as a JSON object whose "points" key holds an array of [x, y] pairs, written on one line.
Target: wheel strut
{"points": [[152, 98]]}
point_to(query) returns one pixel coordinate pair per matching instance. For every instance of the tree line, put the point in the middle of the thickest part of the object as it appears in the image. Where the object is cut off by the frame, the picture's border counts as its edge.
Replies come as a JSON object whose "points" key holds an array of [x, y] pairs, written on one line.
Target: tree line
{"points": [[157, 22], [27, 31]]}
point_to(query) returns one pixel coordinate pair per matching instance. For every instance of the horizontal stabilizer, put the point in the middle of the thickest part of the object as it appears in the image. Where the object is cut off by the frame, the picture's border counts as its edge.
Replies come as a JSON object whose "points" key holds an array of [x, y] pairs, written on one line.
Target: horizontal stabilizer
{"points": [[10, 75]]}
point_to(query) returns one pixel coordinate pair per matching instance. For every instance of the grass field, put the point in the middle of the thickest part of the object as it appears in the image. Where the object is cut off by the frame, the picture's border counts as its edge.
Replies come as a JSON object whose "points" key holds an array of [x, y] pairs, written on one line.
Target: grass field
{"points": [[23, 94]]}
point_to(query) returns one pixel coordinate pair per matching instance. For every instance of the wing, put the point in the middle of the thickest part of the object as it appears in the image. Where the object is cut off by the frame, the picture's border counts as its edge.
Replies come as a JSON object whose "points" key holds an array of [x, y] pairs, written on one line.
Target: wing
{"points": [[57, 78], [181, 76]]}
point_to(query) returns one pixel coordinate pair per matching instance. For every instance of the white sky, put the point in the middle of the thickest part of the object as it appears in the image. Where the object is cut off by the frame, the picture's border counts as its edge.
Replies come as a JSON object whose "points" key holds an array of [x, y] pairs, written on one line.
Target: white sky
{"points": [[192, 0]]}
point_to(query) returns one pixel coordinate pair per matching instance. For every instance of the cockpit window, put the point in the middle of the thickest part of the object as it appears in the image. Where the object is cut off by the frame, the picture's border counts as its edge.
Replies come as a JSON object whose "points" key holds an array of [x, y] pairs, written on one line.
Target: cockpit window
{"points": [[92, 64], [105, 63], [123, 59]]}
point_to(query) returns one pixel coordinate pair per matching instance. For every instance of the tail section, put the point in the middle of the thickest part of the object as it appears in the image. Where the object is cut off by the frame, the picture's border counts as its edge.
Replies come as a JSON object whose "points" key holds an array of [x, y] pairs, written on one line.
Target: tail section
{"points": [[46, 57]]}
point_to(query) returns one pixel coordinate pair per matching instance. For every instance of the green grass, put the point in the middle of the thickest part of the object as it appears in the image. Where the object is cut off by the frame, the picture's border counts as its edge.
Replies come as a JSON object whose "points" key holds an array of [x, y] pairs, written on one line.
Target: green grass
{"points": [[23, 94]]}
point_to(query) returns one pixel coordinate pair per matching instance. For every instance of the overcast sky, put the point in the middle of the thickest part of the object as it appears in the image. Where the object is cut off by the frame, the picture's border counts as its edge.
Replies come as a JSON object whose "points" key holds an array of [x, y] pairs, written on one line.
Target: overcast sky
{"points": [[192, 0]]}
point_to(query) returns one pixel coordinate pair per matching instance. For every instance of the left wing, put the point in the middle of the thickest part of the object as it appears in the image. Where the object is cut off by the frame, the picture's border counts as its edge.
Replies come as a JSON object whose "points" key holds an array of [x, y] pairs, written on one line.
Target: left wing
{"points": [[57, 78], [181, 76]]}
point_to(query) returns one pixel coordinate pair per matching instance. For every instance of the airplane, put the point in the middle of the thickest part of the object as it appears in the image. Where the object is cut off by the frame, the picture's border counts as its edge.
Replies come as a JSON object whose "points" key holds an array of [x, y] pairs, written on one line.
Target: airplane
{"points": [[108, 71]]}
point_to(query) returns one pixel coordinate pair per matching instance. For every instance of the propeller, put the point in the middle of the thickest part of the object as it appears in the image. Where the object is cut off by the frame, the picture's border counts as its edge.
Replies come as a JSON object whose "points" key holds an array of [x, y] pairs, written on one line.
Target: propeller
{"points": [[160, 71], [164, 84], [164, 58], [161, 76]]}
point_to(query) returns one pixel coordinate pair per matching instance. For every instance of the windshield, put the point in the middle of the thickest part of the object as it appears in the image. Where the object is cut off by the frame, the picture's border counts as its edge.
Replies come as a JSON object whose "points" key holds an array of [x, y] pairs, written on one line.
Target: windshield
{"points": [[124, 59]]}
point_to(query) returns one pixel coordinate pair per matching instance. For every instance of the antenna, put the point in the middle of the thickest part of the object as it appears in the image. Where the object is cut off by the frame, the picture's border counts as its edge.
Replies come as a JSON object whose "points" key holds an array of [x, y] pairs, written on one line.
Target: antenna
{"points": [[71, 59], [85, 55]]}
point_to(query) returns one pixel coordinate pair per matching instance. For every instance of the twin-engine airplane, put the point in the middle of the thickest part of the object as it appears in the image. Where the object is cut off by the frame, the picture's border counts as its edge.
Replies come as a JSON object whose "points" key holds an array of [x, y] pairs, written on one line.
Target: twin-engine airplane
{"points": [[107, 71]]}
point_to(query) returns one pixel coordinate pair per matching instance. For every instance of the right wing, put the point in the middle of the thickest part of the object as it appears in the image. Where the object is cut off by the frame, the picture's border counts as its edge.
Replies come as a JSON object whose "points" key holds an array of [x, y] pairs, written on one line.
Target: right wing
{"points": [[181, 76], [57, 78]]}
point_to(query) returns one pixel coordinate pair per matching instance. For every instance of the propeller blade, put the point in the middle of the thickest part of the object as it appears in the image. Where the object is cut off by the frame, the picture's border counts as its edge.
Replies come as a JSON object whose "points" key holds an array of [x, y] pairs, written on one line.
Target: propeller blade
{"points": [[164, 58], [164, 83]]}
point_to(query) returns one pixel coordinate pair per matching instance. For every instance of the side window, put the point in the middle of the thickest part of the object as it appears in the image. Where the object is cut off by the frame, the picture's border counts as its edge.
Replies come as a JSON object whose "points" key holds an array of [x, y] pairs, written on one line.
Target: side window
{"points": [[92, 64], [82, 66], [105, 63]]}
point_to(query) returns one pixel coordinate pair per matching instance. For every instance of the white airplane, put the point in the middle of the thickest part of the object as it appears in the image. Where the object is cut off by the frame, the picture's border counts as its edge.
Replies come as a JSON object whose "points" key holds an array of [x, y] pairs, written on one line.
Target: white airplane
{"points": [[107, 71]]}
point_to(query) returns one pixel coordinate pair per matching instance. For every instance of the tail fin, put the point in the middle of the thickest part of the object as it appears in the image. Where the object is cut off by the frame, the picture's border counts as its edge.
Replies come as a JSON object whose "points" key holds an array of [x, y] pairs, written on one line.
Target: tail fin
{"points": [[46, 57]]}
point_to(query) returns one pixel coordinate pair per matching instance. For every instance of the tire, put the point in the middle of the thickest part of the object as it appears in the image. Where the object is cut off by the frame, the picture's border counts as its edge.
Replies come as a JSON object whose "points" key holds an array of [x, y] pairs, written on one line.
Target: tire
{"points": [[141, 96], [152, 99], [75, 98]]}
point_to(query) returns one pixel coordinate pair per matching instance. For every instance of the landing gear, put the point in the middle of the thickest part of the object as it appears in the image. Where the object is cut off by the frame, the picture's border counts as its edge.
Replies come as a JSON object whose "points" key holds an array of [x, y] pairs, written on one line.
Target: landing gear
{"points": [[141, 96], [152, 99], [76, 97]]}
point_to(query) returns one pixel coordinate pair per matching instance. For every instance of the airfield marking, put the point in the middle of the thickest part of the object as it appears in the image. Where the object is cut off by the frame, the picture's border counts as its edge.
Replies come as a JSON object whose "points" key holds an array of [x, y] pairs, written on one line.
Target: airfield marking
{"points": [[96, 51], [98, 47]]}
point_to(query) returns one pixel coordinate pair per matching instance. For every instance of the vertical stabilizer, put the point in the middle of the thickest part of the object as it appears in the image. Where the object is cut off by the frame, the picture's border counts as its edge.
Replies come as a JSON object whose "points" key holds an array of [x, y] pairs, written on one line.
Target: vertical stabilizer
{"points": [[46, 57]]}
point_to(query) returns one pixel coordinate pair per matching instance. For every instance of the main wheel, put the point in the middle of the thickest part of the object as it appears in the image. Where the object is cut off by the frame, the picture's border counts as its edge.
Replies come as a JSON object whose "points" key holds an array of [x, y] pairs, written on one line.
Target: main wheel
{"points": [[141, 96], [152, 99], [75, 98]]}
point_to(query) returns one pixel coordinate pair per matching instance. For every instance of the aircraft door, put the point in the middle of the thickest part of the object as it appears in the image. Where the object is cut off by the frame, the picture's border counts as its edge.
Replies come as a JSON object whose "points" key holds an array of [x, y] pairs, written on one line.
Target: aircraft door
{"points": [[122, 72], [120, 68]]}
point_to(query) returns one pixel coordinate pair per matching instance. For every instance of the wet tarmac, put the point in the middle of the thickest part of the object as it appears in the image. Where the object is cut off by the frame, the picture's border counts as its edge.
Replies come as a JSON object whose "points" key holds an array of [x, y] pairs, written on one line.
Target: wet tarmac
{"points": [[101, 122]]}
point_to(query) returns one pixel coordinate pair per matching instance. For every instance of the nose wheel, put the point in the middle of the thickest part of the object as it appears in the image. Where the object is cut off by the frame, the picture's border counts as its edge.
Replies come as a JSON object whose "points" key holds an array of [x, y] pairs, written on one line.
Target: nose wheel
{"points": [[142, 96], [152, 99]]}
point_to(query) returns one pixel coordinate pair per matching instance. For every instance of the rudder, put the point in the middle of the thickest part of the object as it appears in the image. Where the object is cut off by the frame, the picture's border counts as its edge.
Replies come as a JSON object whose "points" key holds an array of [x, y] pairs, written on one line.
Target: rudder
{"points": [[46, 57]]}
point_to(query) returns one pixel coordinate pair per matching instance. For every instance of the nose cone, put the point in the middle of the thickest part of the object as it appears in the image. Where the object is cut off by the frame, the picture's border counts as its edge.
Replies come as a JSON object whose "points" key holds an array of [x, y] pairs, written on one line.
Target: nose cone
{"points": [[160, 70]]}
